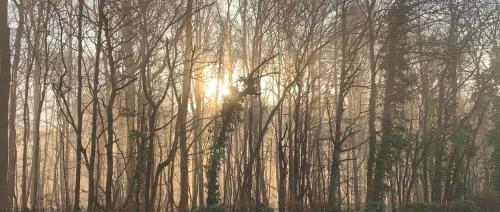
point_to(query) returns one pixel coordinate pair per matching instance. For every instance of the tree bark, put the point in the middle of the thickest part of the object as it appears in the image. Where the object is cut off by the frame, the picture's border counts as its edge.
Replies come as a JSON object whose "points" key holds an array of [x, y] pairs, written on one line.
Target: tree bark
{"points": [[13, 104], [109, 114], [130, 99], [79, 146], [186, 87], [4, 104], [334, 188], [372, 104], [95, 107], [37, 108]]}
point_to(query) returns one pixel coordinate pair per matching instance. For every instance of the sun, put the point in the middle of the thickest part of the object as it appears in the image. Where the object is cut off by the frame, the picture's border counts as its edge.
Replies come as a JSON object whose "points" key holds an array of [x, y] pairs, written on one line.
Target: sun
{"points": [[215, 88]]}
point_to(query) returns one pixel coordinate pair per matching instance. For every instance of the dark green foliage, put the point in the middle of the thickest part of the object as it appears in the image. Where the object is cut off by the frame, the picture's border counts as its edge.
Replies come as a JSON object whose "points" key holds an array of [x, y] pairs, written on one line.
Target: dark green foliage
{"points": [[332, 208], [495, 65], [460, 206], [229, 117], [374, 206], [454, 206], [494, 140], [264, 208], [419, 207], [210, 209], [398, 81], [394, 60], [494, 134], [462, 147], [484, 202], [488, 201]]}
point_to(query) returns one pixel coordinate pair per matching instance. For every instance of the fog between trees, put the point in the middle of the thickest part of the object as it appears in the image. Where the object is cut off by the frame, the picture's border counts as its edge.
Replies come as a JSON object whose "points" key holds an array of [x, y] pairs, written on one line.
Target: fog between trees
{"points": [[249, 105]]}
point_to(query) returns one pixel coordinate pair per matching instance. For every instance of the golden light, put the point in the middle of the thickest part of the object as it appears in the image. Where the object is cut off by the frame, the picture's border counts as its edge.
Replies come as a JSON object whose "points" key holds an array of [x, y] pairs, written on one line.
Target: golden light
{"points": [[215, 88]]}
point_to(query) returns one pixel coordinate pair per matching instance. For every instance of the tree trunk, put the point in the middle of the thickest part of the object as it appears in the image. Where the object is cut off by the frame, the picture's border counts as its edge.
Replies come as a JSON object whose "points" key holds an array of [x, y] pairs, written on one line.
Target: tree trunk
{"points": [[395, 66], [26, 133], [79, 145], [372, 104], [4, 105], [37, 108], [95, 107], [183, 108], [334, 200], [130, 100], [13, 105], [109, 114], [197, 180]]}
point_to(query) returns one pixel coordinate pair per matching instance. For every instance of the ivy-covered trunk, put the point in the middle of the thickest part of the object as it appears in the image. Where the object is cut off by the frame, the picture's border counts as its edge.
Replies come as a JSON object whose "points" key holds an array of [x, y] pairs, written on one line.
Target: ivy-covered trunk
{"points": [[396, 84], [229, 117], [494, 134]]}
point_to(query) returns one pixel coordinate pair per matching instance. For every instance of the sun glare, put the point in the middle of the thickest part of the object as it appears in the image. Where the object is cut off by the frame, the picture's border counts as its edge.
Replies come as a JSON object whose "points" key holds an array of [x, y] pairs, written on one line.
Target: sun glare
{"points": [[215, 89]]}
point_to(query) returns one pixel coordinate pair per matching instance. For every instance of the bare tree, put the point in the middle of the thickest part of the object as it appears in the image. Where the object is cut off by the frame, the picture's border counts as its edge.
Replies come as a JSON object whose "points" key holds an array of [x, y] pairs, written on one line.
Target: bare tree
{"points": [[183, 107], [148, 110]]}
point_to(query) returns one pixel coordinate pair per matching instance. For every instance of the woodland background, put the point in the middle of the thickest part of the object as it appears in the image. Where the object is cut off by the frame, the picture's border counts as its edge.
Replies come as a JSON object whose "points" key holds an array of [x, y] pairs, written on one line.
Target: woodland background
{"points": [[249, 105]]}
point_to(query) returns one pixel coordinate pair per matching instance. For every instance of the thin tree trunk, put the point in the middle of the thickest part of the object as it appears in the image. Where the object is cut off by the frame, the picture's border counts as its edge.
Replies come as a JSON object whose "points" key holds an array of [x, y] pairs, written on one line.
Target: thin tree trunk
{"points": [[130, 100], [334, 200], [37, 108], [197, 180], [372, 138], [95, 107], [26, 133], [356, 181], [79, 146], [109, 115]]}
